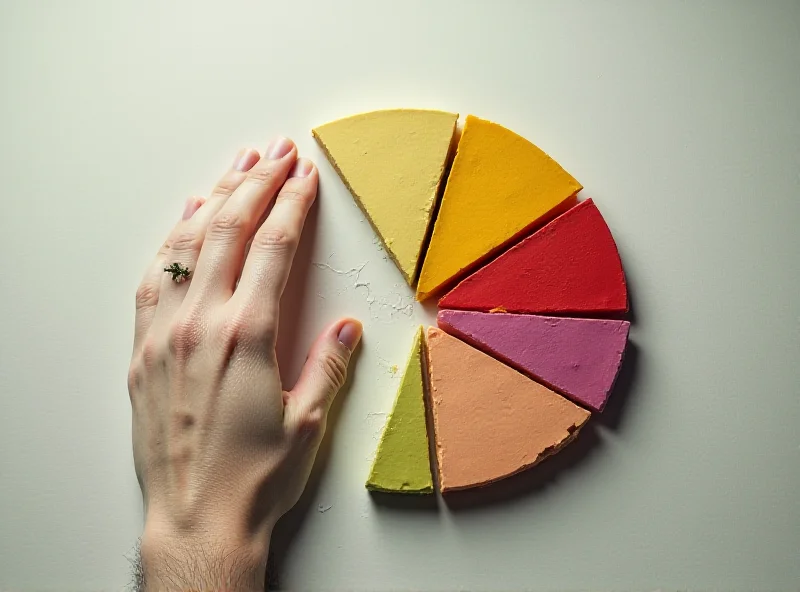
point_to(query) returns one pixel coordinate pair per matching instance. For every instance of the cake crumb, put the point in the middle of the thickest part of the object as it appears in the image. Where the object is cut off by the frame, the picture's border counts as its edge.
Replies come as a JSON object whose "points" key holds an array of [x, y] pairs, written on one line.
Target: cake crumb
{"points": [[382, 307]]}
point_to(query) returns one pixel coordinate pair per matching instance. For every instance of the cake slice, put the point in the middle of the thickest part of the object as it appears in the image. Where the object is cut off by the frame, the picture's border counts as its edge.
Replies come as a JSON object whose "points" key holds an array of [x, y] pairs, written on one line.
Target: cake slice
{"points": [[577, 357], [571, 266], [499, 188], [402, 463], [491, 421], [392, 162]]}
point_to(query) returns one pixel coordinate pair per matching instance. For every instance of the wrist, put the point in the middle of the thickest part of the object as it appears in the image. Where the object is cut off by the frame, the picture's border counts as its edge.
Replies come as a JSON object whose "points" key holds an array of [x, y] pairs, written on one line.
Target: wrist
{"points": [[218, 560]]}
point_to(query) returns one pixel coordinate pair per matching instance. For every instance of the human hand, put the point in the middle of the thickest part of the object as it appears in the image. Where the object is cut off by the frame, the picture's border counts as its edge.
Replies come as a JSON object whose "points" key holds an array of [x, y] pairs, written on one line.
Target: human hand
{"points": [[221, 450]]}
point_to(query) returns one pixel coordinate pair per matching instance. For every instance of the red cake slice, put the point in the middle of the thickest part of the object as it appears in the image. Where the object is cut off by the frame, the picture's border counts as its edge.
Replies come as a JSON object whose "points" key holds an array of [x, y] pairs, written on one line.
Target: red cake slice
{"points": [[570, 266]]}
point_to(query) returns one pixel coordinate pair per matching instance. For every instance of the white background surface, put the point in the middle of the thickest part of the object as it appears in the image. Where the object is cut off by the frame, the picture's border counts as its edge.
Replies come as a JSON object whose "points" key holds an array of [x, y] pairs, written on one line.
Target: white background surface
{"points": [[682, 120]]}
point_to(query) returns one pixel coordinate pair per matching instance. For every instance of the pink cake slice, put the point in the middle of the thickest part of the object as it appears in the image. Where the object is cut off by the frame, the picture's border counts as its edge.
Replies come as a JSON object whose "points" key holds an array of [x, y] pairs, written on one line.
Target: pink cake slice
{"points": [[577, 357]]}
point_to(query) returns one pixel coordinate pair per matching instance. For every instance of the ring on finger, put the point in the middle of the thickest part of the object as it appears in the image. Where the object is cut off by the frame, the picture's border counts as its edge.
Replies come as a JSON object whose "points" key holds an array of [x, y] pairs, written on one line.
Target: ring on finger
{"points": [[180, 273]]}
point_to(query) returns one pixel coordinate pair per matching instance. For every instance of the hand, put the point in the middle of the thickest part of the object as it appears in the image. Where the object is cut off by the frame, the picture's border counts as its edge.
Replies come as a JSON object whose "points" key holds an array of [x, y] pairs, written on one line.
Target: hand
{"points": [[221, 450]]}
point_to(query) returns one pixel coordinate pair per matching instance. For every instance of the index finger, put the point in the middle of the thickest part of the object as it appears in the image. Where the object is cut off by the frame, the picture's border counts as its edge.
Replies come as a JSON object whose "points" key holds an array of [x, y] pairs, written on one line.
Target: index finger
{"points": [[269, 261]]}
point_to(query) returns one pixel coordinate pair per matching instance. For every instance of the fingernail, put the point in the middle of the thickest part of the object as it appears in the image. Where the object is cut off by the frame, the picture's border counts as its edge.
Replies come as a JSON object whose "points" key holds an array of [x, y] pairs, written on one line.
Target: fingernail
{"points": [[245, 160], [192, 205], [279, 147], [302, 168], [350, 334]]}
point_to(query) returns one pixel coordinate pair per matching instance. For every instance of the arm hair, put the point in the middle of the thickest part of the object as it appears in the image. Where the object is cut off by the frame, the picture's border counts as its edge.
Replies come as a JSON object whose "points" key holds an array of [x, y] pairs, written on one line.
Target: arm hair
{"points": [[207, 569]]}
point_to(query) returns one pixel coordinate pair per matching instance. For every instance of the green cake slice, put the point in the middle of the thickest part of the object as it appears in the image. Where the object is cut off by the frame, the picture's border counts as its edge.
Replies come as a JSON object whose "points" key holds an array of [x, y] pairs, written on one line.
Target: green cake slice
{"points": [[402, 463]]}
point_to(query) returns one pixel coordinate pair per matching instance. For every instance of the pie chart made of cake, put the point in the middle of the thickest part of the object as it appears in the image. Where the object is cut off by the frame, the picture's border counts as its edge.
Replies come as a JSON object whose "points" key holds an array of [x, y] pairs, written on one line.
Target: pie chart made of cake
{"points": [[531, 294]]}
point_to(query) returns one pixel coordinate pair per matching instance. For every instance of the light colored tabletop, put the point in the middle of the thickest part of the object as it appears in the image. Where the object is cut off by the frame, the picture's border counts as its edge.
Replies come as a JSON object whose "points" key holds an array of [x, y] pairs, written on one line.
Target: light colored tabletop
{"points": [[682, 121]]}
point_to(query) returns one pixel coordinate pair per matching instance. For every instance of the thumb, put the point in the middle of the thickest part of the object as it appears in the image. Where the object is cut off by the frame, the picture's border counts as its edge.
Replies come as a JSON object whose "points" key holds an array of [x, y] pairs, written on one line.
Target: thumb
{"points": [[325, 370]]}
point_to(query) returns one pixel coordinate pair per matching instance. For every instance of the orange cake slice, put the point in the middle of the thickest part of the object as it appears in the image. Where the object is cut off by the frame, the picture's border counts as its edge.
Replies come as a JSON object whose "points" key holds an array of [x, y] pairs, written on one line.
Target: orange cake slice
{"points": [[491, 421]]}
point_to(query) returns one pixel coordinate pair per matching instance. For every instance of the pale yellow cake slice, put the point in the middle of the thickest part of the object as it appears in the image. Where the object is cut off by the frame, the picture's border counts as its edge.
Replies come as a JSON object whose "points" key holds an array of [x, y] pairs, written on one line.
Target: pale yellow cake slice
{"points": [[393, 161]]}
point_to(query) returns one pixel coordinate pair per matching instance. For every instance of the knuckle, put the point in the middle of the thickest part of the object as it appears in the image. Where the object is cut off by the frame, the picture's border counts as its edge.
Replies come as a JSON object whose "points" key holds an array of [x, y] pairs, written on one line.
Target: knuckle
{"points": [[334, 368], [292, 196], [226, 224], [146, 295], [225, 187], [151, 352], [135, 375], [185, 242], [261, 175], [246, 328], [274, 239], [184, 337]]}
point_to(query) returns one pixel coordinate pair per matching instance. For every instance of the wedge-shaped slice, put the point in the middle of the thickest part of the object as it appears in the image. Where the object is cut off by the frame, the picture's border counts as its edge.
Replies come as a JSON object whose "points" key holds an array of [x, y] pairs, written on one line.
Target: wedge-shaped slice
{"points": [[402, 463], [491, 421], [571, 266], [577, 357], [499, 188], [392, 161]]}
